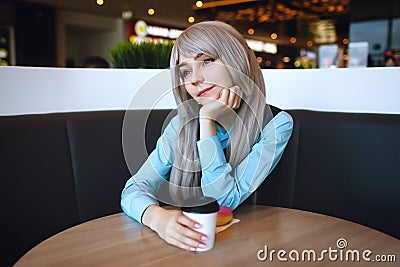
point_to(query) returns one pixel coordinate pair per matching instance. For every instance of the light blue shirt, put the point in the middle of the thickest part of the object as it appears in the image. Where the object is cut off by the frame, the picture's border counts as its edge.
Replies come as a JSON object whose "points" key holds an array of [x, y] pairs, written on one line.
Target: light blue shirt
{"points": [[229, 187]]}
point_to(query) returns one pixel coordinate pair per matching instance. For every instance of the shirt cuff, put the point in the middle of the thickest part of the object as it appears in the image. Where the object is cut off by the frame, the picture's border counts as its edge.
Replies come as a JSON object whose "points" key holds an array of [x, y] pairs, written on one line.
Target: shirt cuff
{"points": [[136, 207], [211, 153]]}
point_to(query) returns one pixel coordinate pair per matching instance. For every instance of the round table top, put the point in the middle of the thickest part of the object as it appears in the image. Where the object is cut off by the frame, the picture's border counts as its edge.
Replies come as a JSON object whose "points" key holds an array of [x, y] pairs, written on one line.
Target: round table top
{"points": [[265, 236]]}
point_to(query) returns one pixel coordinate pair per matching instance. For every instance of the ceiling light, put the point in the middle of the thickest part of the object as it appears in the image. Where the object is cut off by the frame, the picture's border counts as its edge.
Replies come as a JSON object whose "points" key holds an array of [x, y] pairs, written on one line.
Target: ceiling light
{"points": [[250, 31], [274, 36], [286, 59], [345, 41], [191, 19], [339, 8], [151, 11], [127, 14], [199, 3], [293, 40], [100, 2], [310, 43]]}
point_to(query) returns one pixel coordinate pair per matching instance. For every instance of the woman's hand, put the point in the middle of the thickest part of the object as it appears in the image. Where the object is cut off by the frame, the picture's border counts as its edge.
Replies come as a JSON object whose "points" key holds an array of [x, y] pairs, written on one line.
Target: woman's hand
{"points": [[174, 227], [230, 98]]}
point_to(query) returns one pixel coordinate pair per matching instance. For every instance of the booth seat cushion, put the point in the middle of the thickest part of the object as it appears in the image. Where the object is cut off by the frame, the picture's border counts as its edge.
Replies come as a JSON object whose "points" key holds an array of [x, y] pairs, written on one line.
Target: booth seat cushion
{"points": [[343, 165], [58, 170], [98, 164], [353, 172], [37, 191]]}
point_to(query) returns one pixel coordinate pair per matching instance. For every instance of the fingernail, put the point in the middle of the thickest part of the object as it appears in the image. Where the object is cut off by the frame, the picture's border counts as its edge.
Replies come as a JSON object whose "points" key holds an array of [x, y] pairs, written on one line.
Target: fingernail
{"points": [[192, 249], [202, 245], [197, 225], [204, 238]]}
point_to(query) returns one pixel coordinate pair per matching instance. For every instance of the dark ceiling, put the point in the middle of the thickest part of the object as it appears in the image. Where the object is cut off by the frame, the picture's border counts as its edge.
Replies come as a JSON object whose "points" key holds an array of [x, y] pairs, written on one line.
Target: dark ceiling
{"points": [[286, 17], [173, 12], [176, 12]]}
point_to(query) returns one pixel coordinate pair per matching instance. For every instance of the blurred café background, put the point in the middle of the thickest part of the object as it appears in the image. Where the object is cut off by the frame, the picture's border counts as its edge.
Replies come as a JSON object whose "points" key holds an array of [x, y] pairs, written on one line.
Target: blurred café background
{"points": [[285, 34]]}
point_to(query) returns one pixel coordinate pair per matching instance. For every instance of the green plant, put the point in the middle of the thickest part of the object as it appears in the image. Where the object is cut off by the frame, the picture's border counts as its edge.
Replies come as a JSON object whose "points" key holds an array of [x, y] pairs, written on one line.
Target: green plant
{"points": [[142, 55]]}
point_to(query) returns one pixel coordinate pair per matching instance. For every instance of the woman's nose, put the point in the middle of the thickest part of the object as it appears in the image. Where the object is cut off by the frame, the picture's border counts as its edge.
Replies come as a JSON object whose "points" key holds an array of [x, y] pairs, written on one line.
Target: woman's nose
{"points": [[197, 77]]}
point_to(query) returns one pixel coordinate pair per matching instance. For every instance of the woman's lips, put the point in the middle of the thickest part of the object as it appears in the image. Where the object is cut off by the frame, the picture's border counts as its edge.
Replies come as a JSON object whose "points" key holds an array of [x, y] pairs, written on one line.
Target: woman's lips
{"points": [[204, 91]]}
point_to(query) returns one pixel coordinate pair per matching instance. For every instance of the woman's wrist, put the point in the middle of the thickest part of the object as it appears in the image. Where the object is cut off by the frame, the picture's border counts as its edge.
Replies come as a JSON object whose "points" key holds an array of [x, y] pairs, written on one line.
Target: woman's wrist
{"points": [[205, 114], [207, 127], [150, 214]]}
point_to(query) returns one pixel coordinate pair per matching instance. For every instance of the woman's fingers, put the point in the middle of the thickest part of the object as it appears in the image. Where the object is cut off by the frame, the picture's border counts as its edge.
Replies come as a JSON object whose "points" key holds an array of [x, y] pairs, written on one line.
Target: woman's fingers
{"points": [[188, 234], [229, 99], [188, 238], [181, 245], [174, 227], [180, 232], [232, 97], [224, 98], [235, 97], [184, 220]]}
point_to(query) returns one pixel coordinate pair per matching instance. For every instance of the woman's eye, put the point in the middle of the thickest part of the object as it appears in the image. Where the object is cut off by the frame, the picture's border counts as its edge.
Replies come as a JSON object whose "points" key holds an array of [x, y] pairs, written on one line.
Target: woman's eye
{"points": [[208, 61], [185, 73]]}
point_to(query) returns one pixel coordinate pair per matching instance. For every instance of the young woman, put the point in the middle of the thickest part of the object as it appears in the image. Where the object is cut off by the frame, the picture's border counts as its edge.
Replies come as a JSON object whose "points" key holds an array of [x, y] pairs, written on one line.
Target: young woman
{"points": [[224, 141]]}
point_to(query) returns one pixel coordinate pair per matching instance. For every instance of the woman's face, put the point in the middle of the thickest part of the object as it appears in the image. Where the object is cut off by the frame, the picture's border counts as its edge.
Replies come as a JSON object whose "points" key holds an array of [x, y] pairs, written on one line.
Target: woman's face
{"points": [[204, 77]]}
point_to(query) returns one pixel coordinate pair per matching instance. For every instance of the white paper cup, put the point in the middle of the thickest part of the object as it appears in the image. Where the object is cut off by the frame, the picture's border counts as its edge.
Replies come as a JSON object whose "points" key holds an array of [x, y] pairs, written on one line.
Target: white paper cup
{"points": [[208, 221], [203, 210]]}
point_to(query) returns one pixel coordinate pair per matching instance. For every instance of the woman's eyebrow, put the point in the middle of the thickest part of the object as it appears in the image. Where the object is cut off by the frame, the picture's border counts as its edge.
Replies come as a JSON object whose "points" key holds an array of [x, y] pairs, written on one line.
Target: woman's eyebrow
{"points": [[180, 65], [199, 55]]}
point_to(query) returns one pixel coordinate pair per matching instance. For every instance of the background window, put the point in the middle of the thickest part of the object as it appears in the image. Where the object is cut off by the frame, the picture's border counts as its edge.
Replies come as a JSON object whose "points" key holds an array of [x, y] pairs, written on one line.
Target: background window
{"points": [[395, 42], [376, 34]]}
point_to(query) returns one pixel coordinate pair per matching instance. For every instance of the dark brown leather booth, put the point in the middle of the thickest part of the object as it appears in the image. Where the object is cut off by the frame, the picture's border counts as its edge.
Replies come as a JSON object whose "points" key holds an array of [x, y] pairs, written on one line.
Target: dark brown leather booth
{"points": [[58, 170]]}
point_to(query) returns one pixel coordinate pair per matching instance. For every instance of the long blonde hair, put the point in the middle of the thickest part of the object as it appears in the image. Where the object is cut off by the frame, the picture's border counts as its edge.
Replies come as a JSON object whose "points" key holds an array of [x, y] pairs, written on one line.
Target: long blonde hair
{"points": [[218, 40]]}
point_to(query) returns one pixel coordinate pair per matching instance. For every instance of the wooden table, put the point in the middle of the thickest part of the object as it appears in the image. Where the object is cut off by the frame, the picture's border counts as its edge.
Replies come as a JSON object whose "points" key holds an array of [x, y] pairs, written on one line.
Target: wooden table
{"points": [[117, 240]]}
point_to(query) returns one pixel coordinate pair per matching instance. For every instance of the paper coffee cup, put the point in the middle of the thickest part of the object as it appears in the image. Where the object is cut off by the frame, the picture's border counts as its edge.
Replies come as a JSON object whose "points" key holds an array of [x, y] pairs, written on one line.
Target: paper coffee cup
{"points": [[204, 211]]}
